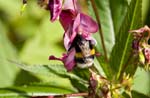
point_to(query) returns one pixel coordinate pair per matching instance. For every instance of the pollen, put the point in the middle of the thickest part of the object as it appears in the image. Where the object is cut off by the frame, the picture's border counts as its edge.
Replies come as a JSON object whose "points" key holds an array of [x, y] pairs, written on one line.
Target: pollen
{"points": [[92, 52]]}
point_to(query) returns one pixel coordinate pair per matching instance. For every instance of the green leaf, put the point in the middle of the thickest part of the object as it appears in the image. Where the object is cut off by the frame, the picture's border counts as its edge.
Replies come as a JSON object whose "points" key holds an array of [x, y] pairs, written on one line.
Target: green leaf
{"points": [[42, 90], [106, 68], [48, 70], [136, 94], [106, 23], [122, 49], [108, 32], [54, 74], [118, 12], [142, 78], [145, 10], [25, 77]]}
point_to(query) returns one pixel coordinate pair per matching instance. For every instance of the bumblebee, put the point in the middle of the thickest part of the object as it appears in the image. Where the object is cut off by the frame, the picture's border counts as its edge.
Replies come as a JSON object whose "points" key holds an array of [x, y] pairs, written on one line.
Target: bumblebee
{"points": [[85, 52]]}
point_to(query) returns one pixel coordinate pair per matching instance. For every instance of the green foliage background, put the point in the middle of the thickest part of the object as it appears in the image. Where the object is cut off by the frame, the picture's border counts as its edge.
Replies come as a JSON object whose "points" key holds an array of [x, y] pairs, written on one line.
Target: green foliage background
{"points": [[30, 37]]}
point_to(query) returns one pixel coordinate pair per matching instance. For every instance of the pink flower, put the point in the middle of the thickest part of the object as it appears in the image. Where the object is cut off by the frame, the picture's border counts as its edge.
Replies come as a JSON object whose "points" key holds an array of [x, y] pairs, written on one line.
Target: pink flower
{"points": [[68, 59], [56, 7], [72, 20], [99, 86], [80, 54], [74, 23], [83, 25], [66, 18], [141, 45]]}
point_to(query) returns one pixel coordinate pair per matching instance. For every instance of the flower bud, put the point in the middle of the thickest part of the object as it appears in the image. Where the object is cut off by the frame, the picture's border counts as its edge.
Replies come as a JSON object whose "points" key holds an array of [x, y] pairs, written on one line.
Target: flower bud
{"points": [[141, 45], [99, 86]]}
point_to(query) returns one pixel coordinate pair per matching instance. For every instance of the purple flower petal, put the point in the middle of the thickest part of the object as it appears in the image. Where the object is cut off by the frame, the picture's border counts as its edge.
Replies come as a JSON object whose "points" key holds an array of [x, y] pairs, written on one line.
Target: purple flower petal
{"points": [[147, 54], [67, 35], [66, 18], [135, 44], [67, 59], [143, 29], [68, 13], [88, 24], [80, 26], [84, 25], [55, 7]]}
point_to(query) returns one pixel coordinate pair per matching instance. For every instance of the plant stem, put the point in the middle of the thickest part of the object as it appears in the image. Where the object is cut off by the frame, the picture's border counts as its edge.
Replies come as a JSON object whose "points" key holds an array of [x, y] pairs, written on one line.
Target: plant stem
{"points": [[100, 29], [126, 65], [62, 96], [71, 95]]}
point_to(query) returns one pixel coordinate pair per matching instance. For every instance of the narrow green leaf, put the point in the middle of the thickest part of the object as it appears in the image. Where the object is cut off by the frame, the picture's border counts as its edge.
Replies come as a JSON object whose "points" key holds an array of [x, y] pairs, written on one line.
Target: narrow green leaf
{"points": [[118, 11], [122, 49], [25, 77], [106, 68], [52, 73], [145, 9], [49, 70], [107, 30], [32, 91], [106, 23]]}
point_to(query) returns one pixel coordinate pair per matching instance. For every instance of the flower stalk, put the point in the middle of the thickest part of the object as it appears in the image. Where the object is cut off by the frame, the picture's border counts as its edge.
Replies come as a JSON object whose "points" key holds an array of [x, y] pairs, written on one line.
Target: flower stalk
{"points": [[100, 29], [64, 95]]}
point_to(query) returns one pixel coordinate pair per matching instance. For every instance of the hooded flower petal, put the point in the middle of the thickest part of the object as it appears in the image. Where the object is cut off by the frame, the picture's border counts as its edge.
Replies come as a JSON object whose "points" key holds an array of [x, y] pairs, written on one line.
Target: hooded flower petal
{"points": [[87, 24], [55, 7], [67, 59], [84, 25], [68, 13], [58, 6], [66, 18]]}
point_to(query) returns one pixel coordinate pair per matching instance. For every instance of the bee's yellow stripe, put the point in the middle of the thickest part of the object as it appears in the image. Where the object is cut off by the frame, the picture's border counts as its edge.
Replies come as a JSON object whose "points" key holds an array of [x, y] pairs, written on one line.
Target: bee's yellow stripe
{"points": [[79, 54]]}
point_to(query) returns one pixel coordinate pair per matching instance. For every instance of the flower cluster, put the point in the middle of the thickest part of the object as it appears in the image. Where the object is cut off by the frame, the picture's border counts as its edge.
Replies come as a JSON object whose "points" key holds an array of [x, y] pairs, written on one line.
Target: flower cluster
{"points": [[78, 28], [100, 87], [141, 45]]}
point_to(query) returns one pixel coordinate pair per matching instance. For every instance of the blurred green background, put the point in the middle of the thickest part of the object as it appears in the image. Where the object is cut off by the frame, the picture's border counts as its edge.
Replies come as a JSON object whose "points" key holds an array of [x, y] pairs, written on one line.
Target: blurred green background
{"points": [[30, 37]]}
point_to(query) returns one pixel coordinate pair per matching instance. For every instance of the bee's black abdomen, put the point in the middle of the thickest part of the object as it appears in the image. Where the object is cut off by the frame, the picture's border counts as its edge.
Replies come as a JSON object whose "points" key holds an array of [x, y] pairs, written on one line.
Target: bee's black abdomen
{"points": [[84, 60]]}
